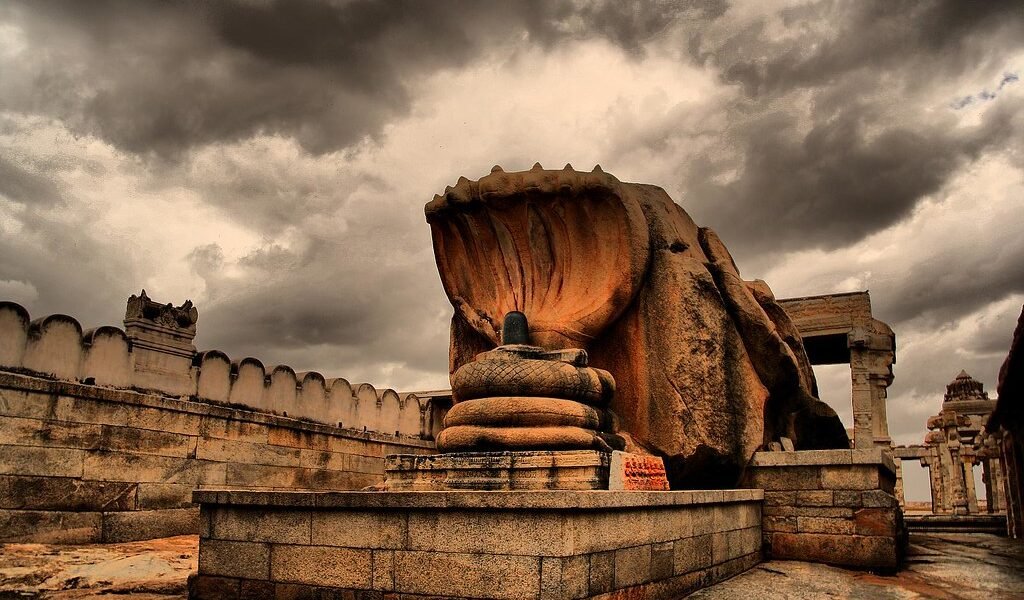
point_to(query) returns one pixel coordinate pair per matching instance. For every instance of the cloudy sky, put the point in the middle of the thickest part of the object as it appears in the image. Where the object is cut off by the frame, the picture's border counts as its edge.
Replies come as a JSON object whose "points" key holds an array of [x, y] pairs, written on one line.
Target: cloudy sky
{"points": [[270, 160]]}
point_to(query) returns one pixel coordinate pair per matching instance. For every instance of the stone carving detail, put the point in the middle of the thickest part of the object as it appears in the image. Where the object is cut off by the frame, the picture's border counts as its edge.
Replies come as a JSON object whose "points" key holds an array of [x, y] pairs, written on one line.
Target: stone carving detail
{"points": [[636, 472], [168, 315], [708, 367]]}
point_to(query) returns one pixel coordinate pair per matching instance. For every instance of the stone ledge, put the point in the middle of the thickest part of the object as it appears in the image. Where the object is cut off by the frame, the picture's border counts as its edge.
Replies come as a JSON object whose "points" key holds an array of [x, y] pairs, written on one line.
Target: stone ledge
{"points": [[548, 500], [154, 399], [810, 458]]}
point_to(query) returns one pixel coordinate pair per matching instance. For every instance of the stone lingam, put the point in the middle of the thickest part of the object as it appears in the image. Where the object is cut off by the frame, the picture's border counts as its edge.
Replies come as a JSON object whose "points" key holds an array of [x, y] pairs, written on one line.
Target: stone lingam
{"points": [[618, 285]]}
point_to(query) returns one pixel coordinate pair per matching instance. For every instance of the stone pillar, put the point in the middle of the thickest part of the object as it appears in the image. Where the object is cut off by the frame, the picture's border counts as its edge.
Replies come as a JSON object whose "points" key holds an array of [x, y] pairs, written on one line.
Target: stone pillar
{"points": [[161, 340], [935, 482], [970, 490], [872, 354], [994, 493], [954, 472], [898, 490], [863, 436]]}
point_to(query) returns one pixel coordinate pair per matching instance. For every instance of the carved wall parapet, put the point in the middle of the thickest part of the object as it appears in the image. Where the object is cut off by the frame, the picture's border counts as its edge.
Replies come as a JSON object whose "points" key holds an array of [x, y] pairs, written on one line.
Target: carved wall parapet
{"points": [[153, 355]]}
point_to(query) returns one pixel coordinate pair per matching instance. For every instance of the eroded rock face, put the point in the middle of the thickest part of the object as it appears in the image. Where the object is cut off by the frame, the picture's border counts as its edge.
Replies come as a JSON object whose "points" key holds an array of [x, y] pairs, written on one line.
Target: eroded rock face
{"points": [[708, 368]]}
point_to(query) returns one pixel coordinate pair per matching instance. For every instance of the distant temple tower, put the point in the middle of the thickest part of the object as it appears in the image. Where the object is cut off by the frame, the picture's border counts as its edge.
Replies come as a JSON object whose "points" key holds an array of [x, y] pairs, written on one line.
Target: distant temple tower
{"points": [[953, 446]]}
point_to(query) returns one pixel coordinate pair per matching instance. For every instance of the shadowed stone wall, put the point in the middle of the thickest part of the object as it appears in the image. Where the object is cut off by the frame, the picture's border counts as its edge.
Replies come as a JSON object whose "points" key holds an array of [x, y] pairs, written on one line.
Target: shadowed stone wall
{"points": [[81, 463], [831, 506]]}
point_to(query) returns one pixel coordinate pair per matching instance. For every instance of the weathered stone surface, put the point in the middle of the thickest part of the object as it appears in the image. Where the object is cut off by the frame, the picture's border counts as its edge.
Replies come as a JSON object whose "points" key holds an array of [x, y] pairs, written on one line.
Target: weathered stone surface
{"points": [[359, 530], [602, 572], [236, 559], [598, 264], [133, 525], [50, 462], [280, 527], [164, 495], [507, 532], [849, 550], [577, 500], [556, 545], [50, 527], [65, 493], [383, 570], [632, 565], [467, 575], [321, 565], [692, 554]]}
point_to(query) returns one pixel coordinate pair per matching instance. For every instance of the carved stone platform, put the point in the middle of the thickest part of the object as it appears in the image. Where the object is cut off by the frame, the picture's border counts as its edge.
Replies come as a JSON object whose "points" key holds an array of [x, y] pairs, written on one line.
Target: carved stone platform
{"points": [[533, 470]]}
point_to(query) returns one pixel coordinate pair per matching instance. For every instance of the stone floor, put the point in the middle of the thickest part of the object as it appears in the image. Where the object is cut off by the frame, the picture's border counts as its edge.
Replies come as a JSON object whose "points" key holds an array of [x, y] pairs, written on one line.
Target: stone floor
{"points": [[151, 570], [943, 566]]}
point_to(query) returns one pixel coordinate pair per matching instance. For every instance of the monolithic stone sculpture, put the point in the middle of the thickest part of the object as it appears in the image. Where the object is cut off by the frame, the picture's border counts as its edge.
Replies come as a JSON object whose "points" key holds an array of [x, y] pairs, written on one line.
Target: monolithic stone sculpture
{"points": [[708, 368]]}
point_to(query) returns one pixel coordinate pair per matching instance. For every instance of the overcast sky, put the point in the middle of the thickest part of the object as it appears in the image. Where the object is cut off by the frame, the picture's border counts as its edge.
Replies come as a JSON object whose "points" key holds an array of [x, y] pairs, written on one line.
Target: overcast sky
{"points": [[270, 160]]}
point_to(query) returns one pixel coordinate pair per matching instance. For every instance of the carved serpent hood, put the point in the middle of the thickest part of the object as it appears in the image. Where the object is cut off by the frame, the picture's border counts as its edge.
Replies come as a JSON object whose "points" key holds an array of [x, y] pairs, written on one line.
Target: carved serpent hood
{"points": [[569, 249]]}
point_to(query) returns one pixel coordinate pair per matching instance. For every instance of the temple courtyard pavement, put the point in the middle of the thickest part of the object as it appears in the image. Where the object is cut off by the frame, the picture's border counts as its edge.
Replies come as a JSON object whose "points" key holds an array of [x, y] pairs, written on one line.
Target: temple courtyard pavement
{"points": [[947, 566]]}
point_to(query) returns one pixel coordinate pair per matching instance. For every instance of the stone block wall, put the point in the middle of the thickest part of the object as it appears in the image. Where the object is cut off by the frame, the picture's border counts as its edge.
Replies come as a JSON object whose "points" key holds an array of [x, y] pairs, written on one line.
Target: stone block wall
{"points": [[830, 506], [56, 347], [508, 545], [82, 463]]}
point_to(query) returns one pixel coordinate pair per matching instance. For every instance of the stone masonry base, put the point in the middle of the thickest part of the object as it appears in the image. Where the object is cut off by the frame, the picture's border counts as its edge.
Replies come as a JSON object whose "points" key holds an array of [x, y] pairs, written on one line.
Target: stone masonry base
{"points": [[494, 545], [830, 506]]}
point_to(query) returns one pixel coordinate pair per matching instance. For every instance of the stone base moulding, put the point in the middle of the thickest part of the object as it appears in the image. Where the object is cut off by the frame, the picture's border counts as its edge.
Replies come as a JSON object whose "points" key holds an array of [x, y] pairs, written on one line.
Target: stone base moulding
{"points": [[465, 544], [831, 506], [525, 470]]}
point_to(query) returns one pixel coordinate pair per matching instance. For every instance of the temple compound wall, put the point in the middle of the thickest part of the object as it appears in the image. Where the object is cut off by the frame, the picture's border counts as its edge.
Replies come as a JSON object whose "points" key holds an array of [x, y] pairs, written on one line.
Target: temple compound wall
{"points": [[105, 433], [840, 329]]}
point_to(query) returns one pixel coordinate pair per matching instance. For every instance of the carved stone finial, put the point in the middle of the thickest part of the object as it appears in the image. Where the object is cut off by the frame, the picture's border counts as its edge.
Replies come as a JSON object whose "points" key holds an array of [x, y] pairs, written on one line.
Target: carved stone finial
{"points": [[497, 169], [142, 308], [965, 387]]}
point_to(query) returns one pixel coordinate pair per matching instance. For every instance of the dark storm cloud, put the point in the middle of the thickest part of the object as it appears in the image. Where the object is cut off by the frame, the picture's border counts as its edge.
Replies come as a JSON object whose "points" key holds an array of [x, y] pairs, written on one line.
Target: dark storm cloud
{"points": [[953, 283], [158, 78], [830, 134], [26, 187], [74, 270], [827, 40], [355, 316], [838, 180]]}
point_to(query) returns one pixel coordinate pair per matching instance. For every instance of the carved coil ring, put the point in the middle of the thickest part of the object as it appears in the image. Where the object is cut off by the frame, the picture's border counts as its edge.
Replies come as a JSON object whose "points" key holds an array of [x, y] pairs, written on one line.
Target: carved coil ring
{"points": [[532, 378], [465, 438], [517, 411]]}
